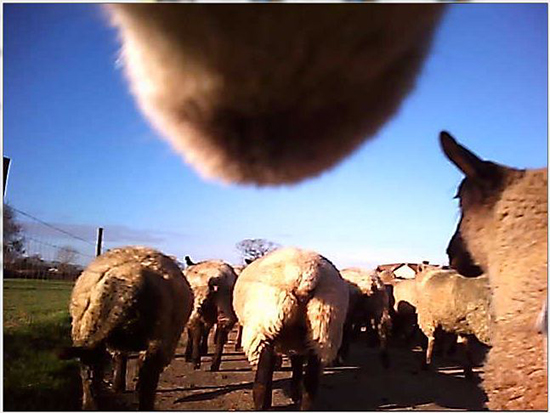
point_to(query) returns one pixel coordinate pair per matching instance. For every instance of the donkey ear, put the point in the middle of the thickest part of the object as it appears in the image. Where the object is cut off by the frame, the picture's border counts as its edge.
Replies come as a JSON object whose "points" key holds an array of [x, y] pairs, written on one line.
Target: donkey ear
{"points": [[465, 160], [477, 169]]}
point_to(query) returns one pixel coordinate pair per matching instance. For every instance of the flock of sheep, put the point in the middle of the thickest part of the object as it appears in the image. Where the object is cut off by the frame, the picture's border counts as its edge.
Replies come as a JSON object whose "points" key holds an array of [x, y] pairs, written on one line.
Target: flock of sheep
{"points": [[252, 97]]}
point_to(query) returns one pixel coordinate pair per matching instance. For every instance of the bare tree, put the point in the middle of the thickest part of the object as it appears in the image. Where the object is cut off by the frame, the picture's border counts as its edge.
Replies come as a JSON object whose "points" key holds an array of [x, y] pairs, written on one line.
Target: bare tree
{"points": [[13, 236], [66, 255], [252, 249]]}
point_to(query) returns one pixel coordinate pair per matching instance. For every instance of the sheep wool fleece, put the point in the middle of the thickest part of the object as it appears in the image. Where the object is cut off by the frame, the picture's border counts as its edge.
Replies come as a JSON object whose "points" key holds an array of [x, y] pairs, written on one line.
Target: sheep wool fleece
{"points": [[291, 290], [112, 285]]}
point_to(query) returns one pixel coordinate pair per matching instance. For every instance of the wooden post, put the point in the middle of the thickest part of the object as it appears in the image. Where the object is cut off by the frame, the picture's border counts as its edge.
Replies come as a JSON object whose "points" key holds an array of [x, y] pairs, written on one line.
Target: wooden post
{"points": [[99, 241], [6, 169]]}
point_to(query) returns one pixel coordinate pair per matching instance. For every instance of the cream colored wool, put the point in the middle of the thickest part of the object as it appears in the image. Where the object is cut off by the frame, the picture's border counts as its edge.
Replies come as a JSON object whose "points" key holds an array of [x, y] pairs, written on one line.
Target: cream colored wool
{"points": [[295, 299], [201, 275], [105, 292], [238, 269], [404, 292], [453, 302], [367, 281], [372, 289], [507, 236], [271, 95]]}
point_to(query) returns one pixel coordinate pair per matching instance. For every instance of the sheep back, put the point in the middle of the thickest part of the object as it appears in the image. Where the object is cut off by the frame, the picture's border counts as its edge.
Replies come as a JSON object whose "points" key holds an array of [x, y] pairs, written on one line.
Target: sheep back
{"points": [[404, 296], [294, 298], [124, 288]]}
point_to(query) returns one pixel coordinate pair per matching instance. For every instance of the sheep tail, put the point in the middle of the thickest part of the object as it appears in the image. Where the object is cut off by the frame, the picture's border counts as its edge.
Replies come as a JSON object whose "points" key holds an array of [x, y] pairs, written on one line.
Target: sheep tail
{"points": [[307, 282], [105, 306]]}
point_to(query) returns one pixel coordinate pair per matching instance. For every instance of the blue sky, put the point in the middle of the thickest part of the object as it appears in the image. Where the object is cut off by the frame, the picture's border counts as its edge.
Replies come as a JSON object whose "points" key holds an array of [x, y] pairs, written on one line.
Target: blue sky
{"points": [[83, 157]]}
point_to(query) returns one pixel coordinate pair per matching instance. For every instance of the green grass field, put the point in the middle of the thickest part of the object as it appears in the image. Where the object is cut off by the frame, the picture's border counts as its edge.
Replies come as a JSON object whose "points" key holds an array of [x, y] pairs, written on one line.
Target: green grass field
{"points": [[36, 325]]}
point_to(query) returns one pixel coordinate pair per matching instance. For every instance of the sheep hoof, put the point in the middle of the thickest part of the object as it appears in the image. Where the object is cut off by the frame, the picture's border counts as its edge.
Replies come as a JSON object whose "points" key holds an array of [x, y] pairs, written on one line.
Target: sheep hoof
{"points": [[215, 367], [197, 366]]}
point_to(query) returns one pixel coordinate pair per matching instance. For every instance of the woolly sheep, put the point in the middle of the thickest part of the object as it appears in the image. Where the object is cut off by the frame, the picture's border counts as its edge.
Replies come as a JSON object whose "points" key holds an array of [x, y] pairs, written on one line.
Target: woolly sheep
{"points": [[238, 342], [453, 303], [238, 346], [403, 306], [504, 228], [294, 302], [212, 283], [271, 95], [369, 306], [128, 299]]}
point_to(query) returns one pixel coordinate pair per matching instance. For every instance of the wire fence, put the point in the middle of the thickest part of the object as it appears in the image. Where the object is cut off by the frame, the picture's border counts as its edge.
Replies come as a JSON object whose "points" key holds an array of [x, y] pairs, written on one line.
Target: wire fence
{"points": [[36, 249]]}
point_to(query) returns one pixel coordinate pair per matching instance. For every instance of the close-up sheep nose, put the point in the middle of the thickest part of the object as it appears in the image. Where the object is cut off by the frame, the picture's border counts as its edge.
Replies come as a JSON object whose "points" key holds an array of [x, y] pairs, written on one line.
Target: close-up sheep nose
{"points": [[271, 94]]}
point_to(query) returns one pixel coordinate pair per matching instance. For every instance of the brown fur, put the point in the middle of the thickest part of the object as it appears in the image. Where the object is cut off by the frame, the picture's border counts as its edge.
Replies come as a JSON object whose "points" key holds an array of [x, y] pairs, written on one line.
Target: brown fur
{"points": [[271, 94], [504, 228]]}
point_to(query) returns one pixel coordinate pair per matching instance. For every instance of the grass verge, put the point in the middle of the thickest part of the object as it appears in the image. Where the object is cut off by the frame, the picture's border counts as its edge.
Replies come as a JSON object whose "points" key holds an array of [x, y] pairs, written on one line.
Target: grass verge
{"points": [[36, 325]]}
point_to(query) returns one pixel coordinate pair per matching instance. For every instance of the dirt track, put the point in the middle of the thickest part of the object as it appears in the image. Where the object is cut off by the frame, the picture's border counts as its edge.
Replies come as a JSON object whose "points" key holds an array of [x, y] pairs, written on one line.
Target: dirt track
{"points": [[362, 384]]}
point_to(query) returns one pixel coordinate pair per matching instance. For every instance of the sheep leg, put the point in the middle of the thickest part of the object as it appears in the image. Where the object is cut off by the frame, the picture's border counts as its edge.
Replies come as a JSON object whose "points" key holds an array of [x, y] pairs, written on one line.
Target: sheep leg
{"points": [[238, 342], [189, 346], [468, 359], [221, 339], [311, 382], [91, 373], [196, 334], [429, 351], [139, 363], [278, 364], [119, 374], [149, 374], [203, 348], [89, 390], [263, 381], [383, 339], [451, 345], [297, 363], [343, 351]]}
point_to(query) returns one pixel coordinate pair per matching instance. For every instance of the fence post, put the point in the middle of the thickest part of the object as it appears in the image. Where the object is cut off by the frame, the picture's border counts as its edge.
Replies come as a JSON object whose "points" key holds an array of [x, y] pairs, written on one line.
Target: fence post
{"points": [[6, 169], [99, 241]]}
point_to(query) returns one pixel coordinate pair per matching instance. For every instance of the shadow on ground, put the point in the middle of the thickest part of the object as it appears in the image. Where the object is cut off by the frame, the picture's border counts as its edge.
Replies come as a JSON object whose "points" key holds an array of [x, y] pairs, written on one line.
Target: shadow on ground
{"points": [[361, 384]]}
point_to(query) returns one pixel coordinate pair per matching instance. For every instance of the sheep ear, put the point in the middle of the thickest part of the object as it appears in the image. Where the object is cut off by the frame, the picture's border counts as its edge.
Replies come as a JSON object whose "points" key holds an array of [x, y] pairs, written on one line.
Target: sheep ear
{"points": [[484, 172]]}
